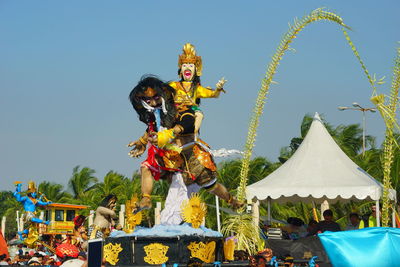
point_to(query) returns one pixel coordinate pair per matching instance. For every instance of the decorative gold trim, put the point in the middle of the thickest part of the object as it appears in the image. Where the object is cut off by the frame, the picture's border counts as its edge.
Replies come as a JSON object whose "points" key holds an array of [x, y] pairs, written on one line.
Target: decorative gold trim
{"points": [[204, 252], [155, 253], [111, 252], [193, 211], [132, 219]]}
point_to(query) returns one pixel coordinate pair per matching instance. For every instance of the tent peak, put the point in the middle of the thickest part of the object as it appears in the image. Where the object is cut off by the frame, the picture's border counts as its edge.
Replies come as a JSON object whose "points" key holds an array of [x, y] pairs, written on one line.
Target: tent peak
{"points": [[316, 116]]}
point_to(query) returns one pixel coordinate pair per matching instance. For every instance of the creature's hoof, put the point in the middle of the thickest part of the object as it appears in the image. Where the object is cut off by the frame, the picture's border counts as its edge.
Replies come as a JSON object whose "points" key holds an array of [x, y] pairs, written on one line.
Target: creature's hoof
{"points": [[145, 203]]}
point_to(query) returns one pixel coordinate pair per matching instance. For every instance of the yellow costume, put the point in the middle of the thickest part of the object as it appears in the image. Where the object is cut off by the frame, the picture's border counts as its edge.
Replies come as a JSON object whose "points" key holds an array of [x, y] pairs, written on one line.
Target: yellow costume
{"points": [[185, 95], [189, 90]]}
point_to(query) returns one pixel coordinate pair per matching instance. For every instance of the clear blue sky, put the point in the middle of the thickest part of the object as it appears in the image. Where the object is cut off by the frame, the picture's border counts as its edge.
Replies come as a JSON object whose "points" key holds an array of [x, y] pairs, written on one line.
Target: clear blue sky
{"points": [[67, 67]]}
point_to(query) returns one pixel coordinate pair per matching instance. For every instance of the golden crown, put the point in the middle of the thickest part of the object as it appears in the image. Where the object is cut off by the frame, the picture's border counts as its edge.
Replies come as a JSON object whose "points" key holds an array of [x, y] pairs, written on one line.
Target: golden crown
{"points": [[189, 56], [31, 187]]}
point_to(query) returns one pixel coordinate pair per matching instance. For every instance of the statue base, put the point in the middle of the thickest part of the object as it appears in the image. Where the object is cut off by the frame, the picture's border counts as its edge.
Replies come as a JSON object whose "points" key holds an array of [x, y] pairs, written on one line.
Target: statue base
{"points": [[151, 250]]}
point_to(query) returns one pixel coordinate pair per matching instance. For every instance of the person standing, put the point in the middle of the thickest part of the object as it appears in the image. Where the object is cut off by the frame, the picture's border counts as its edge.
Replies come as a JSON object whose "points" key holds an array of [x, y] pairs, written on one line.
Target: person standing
{"points": [[328, 224], [354, 222], [369, 220]]}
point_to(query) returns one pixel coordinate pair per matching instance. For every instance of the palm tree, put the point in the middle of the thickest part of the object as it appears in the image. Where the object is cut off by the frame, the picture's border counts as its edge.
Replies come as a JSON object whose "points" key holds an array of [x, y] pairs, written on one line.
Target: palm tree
{"points": [[113, 184], [54, 192], [129, 188], [82, 185], [348, 137], [8, 208], [81, 181]]}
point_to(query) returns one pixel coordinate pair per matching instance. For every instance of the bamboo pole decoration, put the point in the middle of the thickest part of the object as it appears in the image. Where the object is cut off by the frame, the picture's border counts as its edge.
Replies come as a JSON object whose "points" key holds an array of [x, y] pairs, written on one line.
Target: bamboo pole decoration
{"points": [[298, 25], [388, 112], [246, 233]]}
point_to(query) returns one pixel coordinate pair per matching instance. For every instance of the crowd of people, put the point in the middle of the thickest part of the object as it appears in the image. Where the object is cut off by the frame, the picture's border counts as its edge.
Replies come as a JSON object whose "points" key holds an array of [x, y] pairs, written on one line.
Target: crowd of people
{"points": [[296, 228], [22, 255]]}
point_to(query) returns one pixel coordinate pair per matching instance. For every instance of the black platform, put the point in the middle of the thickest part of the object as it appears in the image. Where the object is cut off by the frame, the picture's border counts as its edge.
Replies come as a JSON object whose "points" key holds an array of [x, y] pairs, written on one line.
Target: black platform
{"points": [[133, 253]]}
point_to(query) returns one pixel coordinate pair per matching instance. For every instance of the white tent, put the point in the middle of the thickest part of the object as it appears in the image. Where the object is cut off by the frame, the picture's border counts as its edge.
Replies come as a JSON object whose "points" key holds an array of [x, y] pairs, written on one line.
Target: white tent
{"points": [[319, 170]]}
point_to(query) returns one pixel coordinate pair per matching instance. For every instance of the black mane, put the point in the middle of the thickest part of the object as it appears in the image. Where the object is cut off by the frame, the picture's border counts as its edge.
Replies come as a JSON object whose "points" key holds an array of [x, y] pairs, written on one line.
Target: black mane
{"points": [[163, 90]]}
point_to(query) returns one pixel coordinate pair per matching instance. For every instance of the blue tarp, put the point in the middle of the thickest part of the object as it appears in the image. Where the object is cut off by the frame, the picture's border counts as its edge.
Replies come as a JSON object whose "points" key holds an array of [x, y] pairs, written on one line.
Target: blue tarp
{"points": [[376, 246]]}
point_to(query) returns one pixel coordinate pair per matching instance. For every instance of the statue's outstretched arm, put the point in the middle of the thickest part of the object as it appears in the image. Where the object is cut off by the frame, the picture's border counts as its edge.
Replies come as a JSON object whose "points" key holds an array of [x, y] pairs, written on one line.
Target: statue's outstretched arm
{"points": [[17, 192], [43, 203], [138, 146]]}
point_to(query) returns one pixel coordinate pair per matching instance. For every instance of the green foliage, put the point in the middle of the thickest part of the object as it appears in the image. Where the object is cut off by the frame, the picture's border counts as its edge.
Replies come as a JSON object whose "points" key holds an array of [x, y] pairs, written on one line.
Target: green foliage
{"points": [[8, 208], [249, 238], [54, 192], [81, 182]]}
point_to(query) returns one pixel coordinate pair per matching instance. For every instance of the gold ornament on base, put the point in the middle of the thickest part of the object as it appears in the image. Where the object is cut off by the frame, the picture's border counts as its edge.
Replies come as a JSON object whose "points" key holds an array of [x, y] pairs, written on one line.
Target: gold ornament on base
{"points": [[33, 236], [229, 249], [193, 211], [155, 253], [204, 252], [111, 252], [132, 219]]}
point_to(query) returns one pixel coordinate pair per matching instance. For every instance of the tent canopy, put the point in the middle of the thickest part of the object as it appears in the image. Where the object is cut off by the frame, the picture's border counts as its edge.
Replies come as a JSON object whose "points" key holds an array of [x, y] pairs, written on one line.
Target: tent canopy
{"points": [[319, 170]]}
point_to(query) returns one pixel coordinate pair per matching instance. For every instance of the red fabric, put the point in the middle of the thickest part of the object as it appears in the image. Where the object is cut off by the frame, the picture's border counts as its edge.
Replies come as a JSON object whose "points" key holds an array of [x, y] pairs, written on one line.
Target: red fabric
{"points": [[67, 249], [151, 160], [79, 220], [397, 219], [3, 245]]}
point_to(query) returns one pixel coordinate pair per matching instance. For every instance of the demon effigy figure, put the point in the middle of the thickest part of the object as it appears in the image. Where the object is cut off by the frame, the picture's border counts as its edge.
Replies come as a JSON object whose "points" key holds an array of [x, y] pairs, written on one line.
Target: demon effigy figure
{"points": [[188, 90], [172, 147], [30, 202], [104, 218]]}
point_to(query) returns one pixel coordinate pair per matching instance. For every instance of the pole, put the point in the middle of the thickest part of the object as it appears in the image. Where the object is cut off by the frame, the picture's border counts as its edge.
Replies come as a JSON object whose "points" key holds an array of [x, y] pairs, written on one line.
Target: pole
{"points": [[91, 216], [157, 213], [21, 222], [3, 226], [378, 215], [121, 216], [363, 137], [394, 215], [256, 213], [218, 215], [18, 229], [269, 210]]}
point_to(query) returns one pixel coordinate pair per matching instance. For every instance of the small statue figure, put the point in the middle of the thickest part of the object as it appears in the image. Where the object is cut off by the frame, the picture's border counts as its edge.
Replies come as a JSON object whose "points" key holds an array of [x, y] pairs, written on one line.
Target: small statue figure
{"points": [[30, 201], [188, 90], [104, 219]]}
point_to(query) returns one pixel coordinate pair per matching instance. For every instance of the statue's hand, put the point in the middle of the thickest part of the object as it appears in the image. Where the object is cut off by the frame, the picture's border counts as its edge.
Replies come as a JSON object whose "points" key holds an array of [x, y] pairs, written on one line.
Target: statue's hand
{"points": [[153, 138], [220, 84], [138, 148], [18, 186]]}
